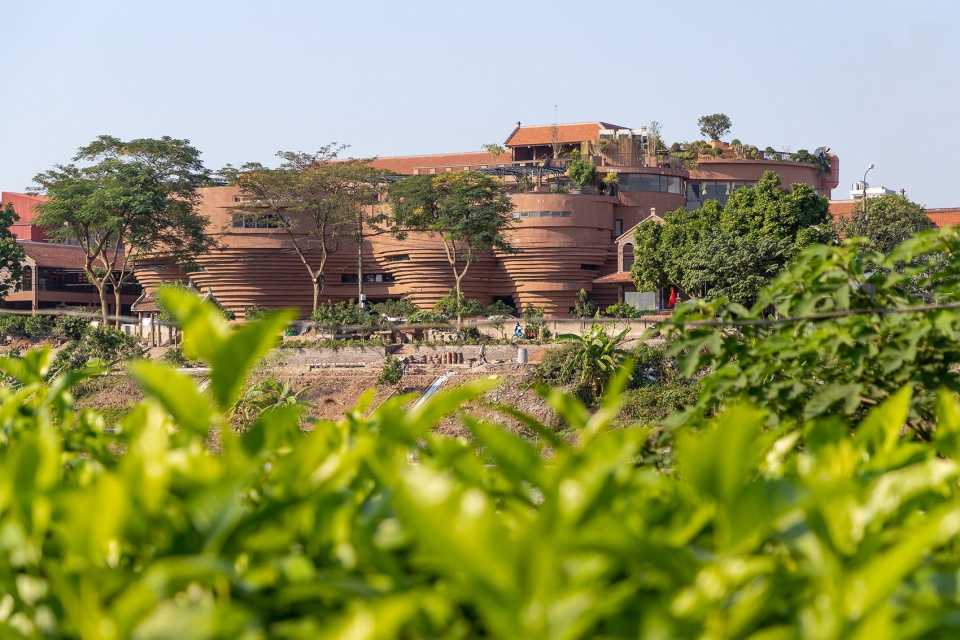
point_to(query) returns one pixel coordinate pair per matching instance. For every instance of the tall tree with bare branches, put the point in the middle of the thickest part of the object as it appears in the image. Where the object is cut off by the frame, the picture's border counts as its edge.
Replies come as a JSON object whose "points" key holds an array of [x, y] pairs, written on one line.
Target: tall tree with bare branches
{"points": [[315, 198]]}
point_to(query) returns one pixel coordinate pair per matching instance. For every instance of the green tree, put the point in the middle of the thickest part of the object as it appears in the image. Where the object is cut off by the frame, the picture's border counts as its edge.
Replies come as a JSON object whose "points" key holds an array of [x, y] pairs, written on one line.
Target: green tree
{"points": [[715, 125], [581, 171], [494, 149], [11, 253], [885, 221], [839, 354], [468, 211], [124, 201], [734, 250], [311, 197]]}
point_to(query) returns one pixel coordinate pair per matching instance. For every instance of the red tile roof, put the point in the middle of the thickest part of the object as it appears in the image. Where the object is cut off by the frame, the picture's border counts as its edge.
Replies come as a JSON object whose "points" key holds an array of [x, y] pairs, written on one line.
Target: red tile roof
{"points": [[941, 217], [620, 277], [565, 133], [408, 164], [49, 254], [841, 208], [944, 217]]}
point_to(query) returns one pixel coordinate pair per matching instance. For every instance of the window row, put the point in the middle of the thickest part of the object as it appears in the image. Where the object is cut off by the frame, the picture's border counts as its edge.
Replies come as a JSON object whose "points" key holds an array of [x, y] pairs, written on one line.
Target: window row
{"points": [[540, 214], [650, 182], [700, 192], [259, 220], [369, 278]]}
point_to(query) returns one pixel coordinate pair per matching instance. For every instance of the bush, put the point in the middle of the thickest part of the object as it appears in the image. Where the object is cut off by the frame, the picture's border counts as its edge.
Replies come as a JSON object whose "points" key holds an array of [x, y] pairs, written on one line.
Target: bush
{"points": [[401, 308], [253, 312], [552, 369], [535, 327], [174, 355], [584, 307], [70, 327], [426, 317], [263, 396], [622, 310], [499, 308], [337, 316], [13, 325], [378, 526], [446, 307], [38, 327], [98, 343], [582, 171], [654, 403], [392, 371]]}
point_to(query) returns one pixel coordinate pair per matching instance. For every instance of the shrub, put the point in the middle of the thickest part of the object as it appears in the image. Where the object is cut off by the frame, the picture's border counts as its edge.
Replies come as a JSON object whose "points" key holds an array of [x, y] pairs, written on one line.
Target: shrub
{"points": [[98, 343], [446, 306], [38, 327], [401, 308], [343, 316], [499, 308], [426, 317], [263, 396], [584, 307], [813, 366], [377, 526], [595, 357], [70, 327], [656, 402], [622, 310], [534, 323], [253, 312], [581, 171], [392, 371], [552, 369], [174, 355], [13, 325]]}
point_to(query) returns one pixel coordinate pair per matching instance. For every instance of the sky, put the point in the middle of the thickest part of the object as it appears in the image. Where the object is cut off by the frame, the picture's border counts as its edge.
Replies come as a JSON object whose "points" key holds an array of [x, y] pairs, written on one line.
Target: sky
{"points": [[876, 81]]}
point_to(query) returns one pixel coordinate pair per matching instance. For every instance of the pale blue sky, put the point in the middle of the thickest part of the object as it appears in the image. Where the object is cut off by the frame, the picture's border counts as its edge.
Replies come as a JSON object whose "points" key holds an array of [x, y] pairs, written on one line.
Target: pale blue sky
{"points": [[877, 81]]}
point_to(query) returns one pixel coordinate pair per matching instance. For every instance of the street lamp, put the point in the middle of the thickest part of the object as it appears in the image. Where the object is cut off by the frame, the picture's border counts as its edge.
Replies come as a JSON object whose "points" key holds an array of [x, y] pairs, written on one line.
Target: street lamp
{"points": [[864, 183]]}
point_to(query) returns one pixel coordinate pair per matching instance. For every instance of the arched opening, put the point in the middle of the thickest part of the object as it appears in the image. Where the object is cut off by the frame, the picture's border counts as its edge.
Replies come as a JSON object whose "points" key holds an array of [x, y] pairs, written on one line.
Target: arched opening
{"points": [[627, 256]]}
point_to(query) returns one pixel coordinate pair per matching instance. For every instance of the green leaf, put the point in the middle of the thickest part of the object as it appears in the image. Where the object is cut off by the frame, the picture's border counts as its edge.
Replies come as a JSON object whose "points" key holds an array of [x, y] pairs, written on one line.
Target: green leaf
{"points": [[879, 431], [177, 393], [514, 456], [240, 351]]}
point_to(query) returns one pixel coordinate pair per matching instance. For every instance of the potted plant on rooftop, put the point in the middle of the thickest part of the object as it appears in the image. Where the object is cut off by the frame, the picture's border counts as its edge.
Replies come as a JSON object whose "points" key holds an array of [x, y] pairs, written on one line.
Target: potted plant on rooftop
{"points": [[582, 172], [608, 184]]}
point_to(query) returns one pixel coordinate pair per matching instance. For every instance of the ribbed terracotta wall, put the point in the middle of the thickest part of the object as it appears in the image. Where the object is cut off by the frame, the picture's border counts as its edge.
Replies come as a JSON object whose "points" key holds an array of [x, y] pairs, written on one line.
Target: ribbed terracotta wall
{"points": [[258, 267], [556, 255]]}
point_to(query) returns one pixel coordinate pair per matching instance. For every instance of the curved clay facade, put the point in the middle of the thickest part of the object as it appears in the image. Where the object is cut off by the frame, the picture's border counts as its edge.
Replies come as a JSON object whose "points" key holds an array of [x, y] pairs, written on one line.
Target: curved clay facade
{"points": [[563, 242]]}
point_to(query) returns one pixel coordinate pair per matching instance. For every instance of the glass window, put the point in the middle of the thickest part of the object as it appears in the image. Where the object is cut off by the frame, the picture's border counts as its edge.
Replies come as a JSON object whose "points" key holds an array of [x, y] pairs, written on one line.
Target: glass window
{"points": [[650, 182], [540, 214], [627, 256], [258, 220]]}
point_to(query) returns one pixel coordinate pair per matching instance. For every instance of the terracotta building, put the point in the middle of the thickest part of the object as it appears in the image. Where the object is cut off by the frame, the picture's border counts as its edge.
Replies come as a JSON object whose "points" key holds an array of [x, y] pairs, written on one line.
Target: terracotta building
{"points": [[53, 272], [565, 240]]}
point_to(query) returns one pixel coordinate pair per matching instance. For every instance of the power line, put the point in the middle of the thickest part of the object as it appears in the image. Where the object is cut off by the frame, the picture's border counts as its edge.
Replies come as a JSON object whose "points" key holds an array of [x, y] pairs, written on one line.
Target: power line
{"points": [[746, 322], [813, 317]]}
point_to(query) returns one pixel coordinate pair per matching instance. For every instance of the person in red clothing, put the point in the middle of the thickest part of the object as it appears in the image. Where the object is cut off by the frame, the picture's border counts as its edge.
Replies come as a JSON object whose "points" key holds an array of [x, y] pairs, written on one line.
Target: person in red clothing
{"points": [[672, 300]]}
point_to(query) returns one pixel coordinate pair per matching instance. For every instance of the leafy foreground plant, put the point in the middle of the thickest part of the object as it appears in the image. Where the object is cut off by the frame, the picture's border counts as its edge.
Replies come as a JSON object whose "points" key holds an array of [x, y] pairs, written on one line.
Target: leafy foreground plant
{"points": [[376, 527], [819, 364]]}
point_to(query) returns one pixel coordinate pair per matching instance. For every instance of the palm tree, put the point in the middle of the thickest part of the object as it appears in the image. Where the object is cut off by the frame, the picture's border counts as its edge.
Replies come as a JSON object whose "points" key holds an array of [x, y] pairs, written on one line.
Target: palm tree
{"points": [[597, 357]]}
